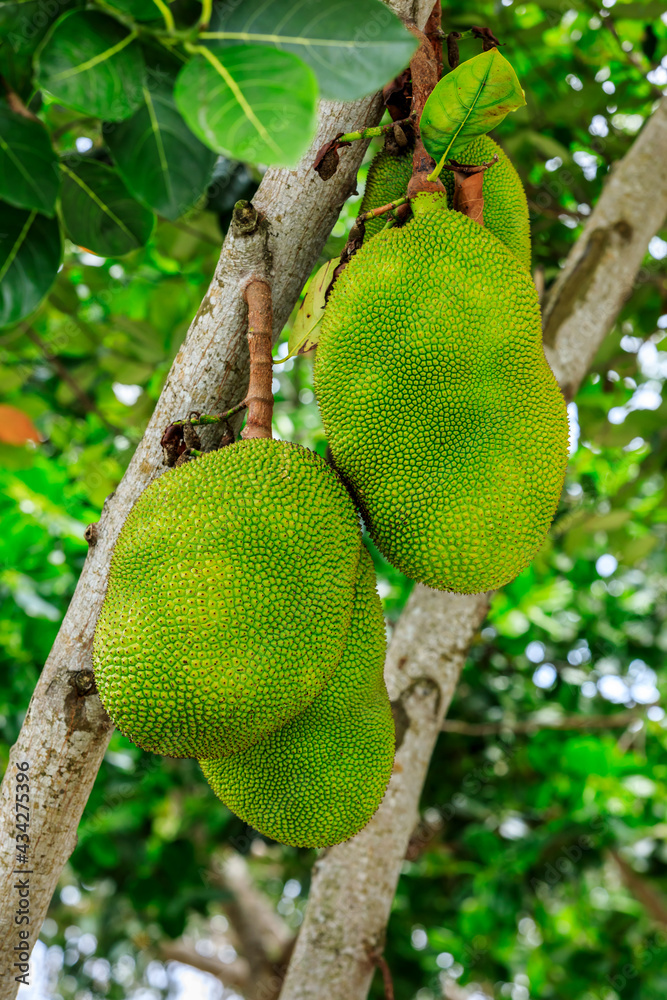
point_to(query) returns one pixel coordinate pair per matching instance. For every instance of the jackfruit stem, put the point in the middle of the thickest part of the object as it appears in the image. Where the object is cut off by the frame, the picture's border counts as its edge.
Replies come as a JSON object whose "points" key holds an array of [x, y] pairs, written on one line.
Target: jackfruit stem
{"points": [[381, 209], [260, 331], [425, 71], [202, 419], [368, 133]]}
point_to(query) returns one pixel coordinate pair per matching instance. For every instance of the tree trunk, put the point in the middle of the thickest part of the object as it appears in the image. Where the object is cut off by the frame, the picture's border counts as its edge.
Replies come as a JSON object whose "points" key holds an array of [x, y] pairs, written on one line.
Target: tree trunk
{"points": [[66, 731], [354, 883]]}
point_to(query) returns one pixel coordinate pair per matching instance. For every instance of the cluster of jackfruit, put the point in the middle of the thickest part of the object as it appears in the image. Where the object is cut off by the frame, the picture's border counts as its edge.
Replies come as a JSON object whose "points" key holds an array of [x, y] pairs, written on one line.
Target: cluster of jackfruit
{"points": [[442, 414], [242, 627]]}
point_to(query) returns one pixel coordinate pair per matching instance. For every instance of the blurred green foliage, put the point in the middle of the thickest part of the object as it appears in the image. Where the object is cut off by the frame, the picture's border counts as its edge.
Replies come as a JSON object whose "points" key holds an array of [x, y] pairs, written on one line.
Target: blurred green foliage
{"points": [[539, 869]]}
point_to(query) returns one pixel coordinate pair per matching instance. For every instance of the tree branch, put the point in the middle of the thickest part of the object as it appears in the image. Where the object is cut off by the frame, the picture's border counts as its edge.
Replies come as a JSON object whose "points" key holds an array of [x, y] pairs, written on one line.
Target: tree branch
{"points": [[617, 720], [66, 730], [354, 883], [604, 264], [233, 975], [653, 902]]}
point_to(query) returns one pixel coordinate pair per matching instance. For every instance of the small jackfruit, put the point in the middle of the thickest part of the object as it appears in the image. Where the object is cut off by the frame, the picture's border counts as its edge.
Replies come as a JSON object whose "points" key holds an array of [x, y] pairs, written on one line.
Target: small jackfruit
{"points": [[505, 205], [319, 779], [387, 180], [229, 601], [441, 411]]}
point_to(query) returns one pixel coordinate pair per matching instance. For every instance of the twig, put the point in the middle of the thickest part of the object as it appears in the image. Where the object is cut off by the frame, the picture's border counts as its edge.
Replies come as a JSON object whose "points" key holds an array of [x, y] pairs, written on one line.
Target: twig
{"points": [[385, 971], [88, 404], [654, 904], [16, 104], [191, 231], [260, 331], [202, 419], [234, 974], [368, 133], [618, 720], [373, 213]]}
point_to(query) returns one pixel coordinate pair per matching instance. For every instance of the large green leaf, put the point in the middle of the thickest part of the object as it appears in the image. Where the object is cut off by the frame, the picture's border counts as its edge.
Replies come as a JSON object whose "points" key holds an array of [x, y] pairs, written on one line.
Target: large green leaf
{"points": [[249, 102], [22, 27], [469, 101], [29, 173], [353, 46], [93, 64], [99, 212], [30, 254], [158, 157]]}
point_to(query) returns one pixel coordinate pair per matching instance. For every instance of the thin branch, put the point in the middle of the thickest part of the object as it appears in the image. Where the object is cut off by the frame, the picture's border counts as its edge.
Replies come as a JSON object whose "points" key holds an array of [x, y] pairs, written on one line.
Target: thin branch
{"points": [[617, 720], [233, 975], [86, 402], [653, 902], [191, 231], [262, 933], [385, 972]]}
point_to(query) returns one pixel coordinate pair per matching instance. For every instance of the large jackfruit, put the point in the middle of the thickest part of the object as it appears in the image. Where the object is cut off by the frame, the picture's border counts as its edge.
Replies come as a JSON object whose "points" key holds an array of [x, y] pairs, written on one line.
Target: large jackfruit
{"points": [[229, 600], [442, 413], [319, 779], [505, 205], [387, 180]]}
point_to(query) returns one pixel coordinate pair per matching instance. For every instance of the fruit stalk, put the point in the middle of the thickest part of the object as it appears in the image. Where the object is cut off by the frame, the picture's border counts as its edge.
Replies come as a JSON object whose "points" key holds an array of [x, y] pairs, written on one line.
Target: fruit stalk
{"points": [[260, 328], [425, 70]]}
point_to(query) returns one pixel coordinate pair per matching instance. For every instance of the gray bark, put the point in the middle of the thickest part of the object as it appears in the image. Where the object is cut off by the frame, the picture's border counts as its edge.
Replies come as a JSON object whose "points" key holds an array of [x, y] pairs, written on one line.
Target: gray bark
{"points": [[605, 263], [354, 883]]}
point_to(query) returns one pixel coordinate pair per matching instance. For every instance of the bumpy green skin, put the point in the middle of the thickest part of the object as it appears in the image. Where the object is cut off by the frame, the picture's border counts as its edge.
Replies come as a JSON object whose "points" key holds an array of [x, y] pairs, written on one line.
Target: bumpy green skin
{"points": [[442, 413], [319, 779], [505, 205], [229, 600], [388, 178]]}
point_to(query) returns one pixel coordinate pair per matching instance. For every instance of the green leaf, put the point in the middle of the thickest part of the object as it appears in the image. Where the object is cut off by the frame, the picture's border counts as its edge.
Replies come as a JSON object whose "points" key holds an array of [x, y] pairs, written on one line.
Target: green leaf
{"points": [[30, 254], [22, 27], [140, 10], [353, 46], [93, 64], [305, 332], [249, 102], [158, 157], [469, 101], [99, 212], [29, 173]]}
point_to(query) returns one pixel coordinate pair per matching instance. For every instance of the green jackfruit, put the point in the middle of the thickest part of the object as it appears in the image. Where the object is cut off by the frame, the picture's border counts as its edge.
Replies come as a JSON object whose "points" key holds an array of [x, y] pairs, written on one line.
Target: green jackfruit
{"points": [[229, 600], [388, 179], [505, 205], [442, 413], [319, 779]]}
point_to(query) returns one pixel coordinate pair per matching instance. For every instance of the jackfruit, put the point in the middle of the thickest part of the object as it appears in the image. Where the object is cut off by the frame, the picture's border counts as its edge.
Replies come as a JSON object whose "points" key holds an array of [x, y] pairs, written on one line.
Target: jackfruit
{"points": [[229, 601], [442, 414], [319, 779], [505, 205], [387, 180]]}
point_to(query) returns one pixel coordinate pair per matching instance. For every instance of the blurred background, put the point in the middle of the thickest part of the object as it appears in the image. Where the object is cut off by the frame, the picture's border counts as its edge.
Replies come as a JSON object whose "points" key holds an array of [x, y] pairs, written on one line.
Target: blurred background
{"points": [[539, 869]]}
